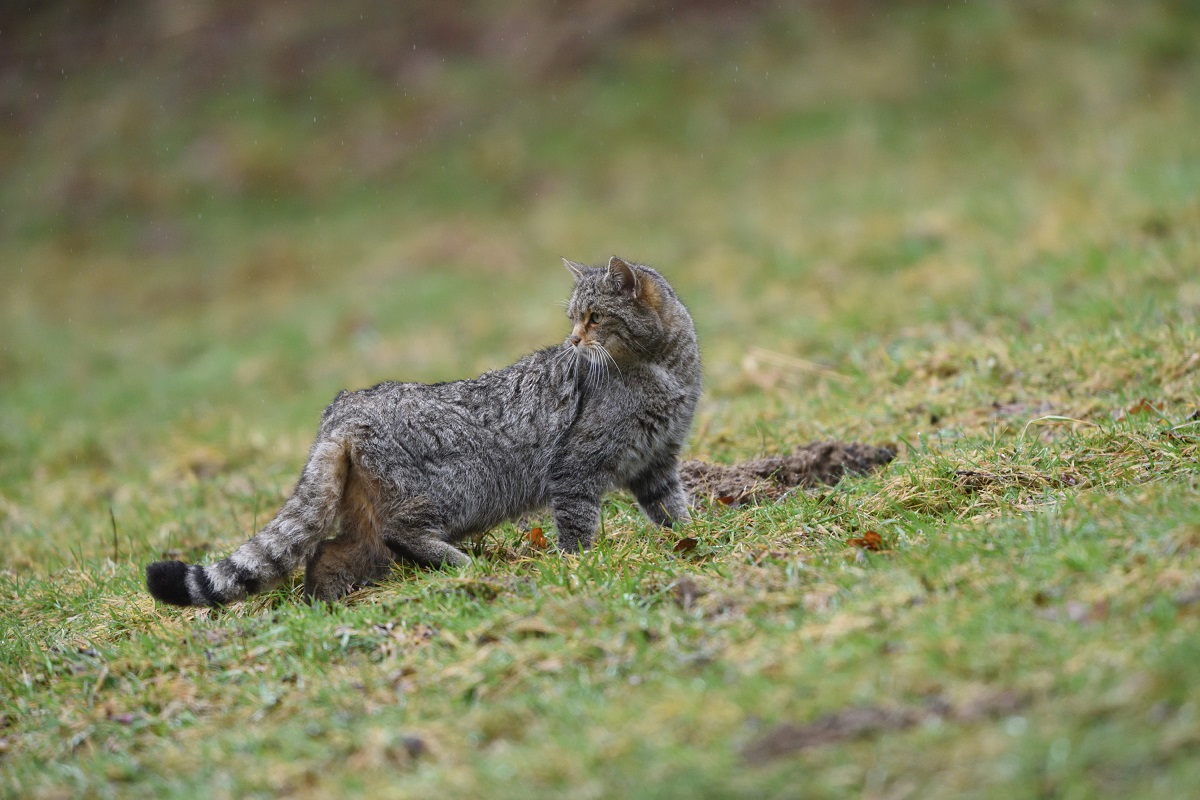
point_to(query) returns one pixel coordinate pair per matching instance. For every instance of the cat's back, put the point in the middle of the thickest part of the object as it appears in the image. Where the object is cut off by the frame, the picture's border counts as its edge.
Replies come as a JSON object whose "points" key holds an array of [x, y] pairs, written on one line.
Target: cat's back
{"points": [[522, 398]]}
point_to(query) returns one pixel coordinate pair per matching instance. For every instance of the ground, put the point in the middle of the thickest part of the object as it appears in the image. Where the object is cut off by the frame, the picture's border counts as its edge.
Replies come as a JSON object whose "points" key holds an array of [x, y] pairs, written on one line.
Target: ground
{"points": [[967, 234]]}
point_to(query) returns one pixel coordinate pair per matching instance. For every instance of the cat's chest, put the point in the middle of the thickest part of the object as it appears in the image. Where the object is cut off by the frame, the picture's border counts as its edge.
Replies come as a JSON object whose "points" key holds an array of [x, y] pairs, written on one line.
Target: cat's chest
{"points": [[648, 387], [649, 407], [665, 387]]}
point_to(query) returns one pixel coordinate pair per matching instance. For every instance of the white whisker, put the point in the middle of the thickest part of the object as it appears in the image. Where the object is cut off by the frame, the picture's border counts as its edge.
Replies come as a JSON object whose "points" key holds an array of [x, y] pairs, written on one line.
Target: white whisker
{"points": [[609, 356], [595, 365]]}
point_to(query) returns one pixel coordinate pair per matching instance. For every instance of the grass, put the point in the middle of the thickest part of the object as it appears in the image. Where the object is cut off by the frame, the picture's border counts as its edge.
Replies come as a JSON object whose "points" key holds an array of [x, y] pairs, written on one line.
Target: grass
{"points": [[969, 231]]}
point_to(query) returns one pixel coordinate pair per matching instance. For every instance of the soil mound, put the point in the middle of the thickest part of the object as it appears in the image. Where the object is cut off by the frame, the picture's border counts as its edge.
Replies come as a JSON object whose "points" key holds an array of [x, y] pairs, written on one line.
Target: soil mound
{"points": [[769, 478]]}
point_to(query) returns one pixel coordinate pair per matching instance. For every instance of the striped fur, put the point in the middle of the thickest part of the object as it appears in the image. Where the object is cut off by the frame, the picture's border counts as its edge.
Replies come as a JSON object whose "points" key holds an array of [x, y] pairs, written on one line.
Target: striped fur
{"points": [[407, 471]]}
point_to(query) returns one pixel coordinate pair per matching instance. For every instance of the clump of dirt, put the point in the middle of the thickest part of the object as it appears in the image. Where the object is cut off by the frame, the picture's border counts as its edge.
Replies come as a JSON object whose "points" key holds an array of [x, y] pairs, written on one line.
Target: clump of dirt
{"points": [[767, 479], [865, 722]]}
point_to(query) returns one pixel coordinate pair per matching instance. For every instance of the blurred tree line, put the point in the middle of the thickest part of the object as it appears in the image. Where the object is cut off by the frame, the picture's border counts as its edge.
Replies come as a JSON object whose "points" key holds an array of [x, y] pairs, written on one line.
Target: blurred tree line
{"points": [[123, 106], [284, 42]]}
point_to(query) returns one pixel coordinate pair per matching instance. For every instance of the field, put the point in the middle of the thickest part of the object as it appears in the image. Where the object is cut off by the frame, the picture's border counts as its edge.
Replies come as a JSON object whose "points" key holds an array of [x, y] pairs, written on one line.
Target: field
{"points": [[970, 232]]}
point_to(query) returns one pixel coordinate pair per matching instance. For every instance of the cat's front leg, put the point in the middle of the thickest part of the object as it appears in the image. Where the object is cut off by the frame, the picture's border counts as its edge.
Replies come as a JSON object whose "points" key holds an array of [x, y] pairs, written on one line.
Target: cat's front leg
{"points": [[576, 515], [660, 493]]}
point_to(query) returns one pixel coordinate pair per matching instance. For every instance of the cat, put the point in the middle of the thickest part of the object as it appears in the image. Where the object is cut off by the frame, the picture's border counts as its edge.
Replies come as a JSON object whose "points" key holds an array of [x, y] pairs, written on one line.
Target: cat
{"points": [[408, 471]]}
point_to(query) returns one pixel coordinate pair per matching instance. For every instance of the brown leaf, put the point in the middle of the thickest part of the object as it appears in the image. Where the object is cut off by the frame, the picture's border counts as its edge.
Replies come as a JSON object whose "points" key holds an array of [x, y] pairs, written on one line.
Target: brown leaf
{"points": [[537, 538], [1144, 406], [685, 545], [726, 499], [868, 541], [1068, 478]]}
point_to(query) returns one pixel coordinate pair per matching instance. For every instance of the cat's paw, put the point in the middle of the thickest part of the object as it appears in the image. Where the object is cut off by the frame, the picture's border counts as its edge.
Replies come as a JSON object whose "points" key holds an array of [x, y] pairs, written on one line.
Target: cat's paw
{"points": [[327, 589], [572, 547]]}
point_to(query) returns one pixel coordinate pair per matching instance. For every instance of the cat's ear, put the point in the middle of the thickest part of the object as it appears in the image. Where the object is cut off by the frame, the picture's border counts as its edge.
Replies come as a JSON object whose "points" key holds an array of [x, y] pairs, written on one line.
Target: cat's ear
{"points": [[623, 276], [576, 269]]}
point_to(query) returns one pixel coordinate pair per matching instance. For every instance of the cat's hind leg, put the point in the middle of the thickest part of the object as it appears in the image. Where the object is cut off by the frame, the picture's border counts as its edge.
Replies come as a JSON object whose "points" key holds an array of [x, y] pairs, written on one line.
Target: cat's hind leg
{"points": [[424, 549], [343, 564], [357, 555], [413, 532]]}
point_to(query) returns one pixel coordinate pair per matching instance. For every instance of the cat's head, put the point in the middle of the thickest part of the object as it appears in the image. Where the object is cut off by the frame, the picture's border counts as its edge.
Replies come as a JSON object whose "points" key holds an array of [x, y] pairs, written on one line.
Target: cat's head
{"points": [[627, 310]]}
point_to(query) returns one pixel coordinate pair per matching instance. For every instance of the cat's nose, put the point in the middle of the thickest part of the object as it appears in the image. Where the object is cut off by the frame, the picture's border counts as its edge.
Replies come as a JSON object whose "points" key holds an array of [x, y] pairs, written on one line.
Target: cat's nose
{"points": [[574, 340]]}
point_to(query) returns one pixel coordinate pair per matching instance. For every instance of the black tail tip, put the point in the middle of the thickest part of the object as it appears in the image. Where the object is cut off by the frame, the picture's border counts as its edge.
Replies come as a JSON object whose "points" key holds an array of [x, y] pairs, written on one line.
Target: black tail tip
{"points": [[167, 581]]}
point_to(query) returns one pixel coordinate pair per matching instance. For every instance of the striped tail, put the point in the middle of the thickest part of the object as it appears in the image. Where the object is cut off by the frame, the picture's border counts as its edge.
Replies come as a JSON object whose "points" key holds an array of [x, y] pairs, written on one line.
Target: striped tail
{"points": [[275, 552]]}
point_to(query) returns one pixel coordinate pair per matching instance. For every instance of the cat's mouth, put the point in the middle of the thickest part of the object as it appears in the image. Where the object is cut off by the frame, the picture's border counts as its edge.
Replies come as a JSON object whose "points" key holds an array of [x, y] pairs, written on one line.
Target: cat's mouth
{"points": [[591, 360], [584, 345]]}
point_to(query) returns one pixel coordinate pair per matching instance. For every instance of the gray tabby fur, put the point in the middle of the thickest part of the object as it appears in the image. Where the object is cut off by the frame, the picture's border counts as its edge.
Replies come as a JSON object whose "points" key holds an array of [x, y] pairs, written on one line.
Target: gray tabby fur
{"points": [[408, 470]]}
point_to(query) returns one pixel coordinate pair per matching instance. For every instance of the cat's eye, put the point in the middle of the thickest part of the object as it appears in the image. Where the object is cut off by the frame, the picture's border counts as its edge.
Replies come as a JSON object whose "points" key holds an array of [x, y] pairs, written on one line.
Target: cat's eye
{"points": [[594, 318]]}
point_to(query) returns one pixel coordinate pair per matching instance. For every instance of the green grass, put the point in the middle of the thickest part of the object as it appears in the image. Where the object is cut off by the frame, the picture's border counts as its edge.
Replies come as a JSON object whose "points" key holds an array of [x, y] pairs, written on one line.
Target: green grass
{"points": [[968, 231]]}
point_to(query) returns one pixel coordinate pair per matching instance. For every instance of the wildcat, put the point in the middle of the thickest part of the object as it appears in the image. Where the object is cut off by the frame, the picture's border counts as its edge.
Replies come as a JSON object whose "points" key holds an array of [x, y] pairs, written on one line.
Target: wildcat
{"points": [[408, 470]]}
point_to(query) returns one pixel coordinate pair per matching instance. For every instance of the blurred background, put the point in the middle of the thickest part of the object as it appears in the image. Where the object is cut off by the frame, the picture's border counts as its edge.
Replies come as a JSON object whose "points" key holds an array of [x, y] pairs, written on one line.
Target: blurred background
{"points": [[214, 215]]}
